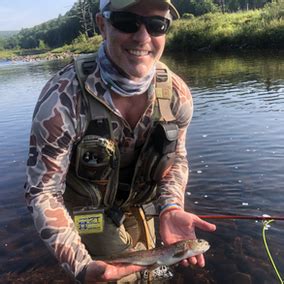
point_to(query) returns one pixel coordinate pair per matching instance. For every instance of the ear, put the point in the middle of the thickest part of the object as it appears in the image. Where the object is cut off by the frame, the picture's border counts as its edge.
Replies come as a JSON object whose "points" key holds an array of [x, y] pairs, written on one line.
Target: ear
{"points": [[101, 25]]}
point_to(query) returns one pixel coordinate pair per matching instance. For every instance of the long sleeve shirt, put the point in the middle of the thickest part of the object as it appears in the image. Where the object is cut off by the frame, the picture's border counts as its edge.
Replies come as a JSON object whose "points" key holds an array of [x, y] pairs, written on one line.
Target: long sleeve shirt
{"points": [[59, 122]]}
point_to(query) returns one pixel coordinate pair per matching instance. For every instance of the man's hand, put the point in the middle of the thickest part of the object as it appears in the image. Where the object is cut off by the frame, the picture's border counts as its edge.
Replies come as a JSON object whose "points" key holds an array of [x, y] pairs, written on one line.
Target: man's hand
{"points": [[100, 271], [177, 225]]}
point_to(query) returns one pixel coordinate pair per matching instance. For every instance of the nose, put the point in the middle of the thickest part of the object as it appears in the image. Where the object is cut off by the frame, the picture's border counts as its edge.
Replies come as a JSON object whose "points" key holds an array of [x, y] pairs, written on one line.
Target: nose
{"points": [[142, 34]]}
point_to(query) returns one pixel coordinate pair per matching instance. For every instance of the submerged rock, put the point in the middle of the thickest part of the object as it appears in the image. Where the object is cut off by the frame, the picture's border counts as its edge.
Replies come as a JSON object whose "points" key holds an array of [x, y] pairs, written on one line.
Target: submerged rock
{"points": [[239, 278]]}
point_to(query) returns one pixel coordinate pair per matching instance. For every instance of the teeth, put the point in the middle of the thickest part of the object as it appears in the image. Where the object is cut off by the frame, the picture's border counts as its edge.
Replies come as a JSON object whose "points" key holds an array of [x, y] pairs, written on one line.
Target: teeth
{"points": [[138, 52]]}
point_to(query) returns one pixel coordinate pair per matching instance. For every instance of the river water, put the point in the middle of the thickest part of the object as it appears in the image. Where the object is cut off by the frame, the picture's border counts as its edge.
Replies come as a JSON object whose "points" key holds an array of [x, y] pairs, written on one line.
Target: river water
{"points": [[235, 148]]}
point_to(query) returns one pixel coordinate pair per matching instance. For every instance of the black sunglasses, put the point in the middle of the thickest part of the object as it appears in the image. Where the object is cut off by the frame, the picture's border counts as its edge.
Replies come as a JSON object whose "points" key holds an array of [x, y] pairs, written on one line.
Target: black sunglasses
{"points": [[130, 23]]}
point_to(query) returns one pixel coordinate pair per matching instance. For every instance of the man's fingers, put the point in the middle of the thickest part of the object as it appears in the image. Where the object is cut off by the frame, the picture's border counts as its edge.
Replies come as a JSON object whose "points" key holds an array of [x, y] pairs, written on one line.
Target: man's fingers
{"points": [[125, 270], [132, 268], [203, 225], [185, 263], [109, 272], [191, 260], [200, 260]]}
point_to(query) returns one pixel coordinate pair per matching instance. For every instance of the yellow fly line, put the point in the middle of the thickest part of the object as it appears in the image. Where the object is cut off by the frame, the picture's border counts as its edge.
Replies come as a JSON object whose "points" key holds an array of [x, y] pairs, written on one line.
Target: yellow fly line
{"points": [[264, 229]]}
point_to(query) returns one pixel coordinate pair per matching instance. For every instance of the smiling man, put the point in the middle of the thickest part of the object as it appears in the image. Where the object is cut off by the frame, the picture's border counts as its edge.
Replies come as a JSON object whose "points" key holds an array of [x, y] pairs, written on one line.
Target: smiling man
{"points": [[107, 140]]}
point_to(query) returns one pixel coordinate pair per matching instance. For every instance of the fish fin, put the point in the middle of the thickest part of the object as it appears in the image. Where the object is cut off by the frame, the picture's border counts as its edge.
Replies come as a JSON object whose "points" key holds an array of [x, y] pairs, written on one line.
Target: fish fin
{"points": [[153, 266], [179, 254]]}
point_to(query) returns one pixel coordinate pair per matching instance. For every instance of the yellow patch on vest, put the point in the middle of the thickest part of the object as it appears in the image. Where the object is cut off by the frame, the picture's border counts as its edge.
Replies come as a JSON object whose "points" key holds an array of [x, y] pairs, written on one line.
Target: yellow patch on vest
{"points": [[88, 222]]}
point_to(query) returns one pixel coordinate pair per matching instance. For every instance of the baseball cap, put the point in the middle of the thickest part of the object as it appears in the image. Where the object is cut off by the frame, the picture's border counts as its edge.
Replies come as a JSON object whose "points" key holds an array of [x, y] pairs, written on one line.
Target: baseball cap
{"points": [[123, 4]]}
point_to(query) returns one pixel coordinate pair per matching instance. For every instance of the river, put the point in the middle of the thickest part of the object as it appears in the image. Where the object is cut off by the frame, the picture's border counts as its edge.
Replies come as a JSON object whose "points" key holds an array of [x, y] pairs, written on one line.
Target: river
{"points": [[235, 148]]}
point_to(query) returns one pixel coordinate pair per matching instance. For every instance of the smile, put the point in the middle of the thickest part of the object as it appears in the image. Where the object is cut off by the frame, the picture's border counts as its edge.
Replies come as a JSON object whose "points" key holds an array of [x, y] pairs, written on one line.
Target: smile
{"points": [[138, 52]]}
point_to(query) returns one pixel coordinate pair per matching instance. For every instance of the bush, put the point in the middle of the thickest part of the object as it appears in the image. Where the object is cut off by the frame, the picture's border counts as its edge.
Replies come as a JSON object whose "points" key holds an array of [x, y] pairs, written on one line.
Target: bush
{"points": [[203, 7], [187, 16], [251, 29], [273, 10], [81, 45], [42, 44]]}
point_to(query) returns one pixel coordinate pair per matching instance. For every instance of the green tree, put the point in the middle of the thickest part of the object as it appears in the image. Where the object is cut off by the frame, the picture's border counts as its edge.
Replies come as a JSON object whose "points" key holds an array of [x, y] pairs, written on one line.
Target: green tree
{"points": [[86, 10], [202, 7], [195, 7], [41, 44], [2, 43], [235, 5]]}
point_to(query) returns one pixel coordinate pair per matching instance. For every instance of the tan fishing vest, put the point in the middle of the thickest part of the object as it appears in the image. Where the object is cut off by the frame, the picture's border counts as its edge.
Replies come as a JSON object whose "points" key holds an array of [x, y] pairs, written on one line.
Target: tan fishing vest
{"points": [[94, 175]]}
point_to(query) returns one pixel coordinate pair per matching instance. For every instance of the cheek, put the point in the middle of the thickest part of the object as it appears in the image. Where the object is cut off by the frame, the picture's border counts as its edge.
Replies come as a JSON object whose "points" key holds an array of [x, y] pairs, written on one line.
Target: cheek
{"points": [[114, 42], [159, 44], [111, 45]]}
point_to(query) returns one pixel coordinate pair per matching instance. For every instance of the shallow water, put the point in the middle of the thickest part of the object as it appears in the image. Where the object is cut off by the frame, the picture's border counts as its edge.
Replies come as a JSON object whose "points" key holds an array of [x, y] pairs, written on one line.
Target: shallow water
{"points": [[235, 148]]}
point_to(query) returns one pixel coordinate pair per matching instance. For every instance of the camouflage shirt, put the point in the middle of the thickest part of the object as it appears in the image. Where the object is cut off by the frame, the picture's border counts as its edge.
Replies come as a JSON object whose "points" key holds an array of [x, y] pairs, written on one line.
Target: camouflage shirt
{"points": [[59, 121]]}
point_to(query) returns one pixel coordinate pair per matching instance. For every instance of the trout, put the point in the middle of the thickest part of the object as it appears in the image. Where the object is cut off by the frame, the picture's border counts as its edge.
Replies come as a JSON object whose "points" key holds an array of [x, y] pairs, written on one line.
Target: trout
{"points": [[165, 255]]}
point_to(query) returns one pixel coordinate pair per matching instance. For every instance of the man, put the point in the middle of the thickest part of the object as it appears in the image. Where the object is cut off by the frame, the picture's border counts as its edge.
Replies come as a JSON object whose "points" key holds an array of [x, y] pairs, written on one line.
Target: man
{"points": [[108, 137]]}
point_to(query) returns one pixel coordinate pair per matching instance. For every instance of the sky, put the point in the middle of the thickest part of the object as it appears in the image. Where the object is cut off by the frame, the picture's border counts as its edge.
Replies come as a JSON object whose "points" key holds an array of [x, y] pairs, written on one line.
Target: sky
{"points": [[18, 14]]}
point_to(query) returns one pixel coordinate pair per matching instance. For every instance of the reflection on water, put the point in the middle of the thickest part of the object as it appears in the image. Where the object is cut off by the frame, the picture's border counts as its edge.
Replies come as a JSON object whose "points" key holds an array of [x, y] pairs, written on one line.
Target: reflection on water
{"points": [[235, 149]]}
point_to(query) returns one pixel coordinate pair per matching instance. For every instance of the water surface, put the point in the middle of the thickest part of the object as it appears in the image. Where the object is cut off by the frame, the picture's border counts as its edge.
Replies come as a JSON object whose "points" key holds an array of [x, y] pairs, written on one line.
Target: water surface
{"points": [[235, 148]]}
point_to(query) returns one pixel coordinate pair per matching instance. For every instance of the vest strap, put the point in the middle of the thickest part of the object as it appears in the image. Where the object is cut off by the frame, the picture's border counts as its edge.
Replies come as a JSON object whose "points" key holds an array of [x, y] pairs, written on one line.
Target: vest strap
{"points": [[164, 92]]}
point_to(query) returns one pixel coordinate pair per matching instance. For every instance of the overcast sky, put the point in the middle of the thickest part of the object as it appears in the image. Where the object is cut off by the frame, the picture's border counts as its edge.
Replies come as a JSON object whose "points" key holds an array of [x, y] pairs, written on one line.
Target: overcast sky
{"points": [[18, 14]]}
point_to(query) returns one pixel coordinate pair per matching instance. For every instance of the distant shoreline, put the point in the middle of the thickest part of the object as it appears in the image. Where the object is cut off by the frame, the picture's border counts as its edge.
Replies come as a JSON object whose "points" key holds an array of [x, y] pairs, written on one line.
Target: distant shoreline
{"points": [[37, 57], [69, 55], [250, 30]]}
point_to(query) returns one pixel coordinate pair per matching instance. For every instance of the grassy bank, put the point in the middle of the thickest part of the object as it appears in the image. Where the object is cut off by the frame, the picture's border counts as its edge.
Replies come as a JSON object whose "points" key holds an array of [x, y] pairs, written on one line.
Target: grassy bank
{"points": [[259, 29], [79, 45], [244, 30], [7, 54]]}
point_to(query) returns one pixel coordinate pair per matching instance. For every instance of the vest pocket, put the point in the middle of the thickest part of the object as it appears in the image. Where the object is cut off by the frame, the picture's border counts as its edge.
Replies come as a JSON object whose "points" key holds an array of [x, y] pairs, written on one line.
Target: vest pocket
{"points": [[95, 158]]}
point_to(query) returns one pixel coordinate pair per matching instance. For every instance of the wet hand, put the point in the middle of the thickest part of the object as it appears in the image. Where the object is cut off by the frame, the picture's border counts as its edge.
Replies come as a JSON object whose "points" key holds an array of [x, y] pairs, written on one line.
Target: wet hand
{"points": [[101, 271], [177, 225]]}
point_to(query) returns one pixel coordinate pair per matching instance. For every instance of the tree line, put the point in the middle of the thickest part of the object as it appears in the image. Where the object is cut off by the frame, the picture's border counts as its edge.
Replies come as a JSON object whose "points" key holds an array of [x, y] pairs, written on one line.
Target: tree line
{"points": [[200, 7], [80, 19]]}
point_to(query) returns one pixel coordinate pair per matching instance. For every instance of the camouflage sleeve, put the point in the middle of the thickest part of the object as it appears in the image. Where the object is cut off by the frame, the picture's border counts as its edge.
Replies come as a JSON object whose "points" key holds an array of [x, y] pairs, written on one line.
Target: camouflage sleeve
{"points": [[52, 136], [172, 186]]}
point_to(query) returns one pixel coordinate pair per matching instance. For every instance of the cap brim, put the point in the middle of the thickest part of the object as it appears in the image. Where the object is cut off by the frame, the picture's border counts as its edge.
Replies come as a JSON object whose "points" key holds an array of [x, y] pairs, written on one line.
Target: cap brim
{"points": [[123, 4], [174, 12]]}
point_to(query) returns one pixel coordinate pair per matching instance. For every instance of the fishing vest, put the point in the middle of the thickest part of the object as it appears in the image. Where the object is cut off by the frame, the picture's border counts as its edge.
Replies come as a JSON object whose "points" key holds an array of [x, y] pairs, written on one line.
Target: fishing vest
{"points": [[94, 177]]}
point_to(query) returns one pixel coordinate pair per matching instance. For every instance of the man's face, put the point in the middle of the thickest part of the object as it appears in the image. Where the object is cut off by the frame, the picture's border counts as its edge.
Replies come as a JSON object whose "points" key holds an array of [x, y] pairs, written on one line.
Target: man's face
{"points": [[134, 53]]}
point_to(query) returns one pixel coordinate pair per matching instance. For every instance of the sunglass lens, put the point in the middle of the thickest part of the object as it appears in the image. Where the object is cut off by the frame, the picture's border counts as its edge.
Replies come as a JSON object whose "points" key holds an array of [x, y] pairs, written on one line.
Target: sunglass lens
{"points": [[130, 23], [156, 26], [124, 22]]}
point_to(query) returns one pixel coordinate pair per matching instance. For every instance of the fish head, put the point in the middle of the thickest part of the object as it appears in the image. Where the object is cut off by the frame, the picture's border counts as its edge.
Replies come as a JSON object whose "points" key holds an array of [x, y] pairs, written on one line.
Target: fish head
{"points": [[197, 246]]}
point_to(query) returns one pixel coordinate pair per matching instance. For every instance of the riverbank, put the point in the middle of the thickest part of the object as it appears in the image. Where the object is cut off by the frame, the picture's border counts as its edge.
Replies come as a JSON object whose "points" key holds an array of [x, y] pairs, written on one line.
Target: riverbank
{"points": [[37, 57], [79, 45], [258, 29]]}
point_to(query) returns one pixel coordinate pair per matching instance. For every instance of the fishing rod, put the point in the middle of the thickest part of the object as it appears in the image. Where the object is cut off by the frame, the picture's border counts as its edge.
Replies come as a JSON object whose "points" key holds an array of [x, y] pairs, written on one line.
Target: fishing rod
{"points": [[235, 217], [242, 217]]}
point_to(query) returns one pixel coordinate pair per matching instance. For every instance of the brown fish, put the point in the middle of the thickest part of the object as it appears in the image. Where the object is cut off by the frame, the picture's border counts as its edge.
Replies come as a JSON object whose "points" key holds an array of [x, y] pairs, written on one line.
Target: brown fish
{"points": [[165, 255]]}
